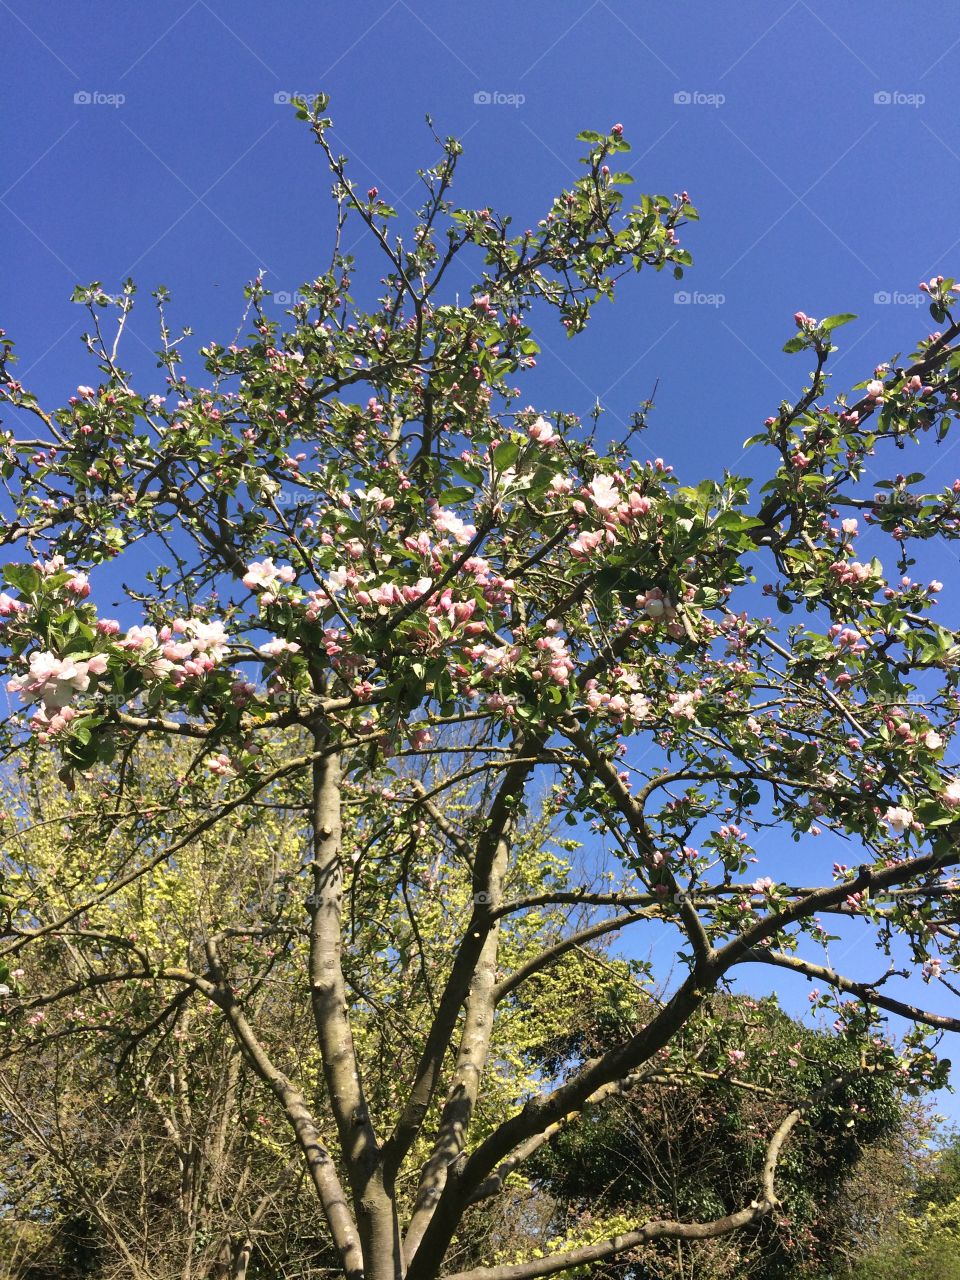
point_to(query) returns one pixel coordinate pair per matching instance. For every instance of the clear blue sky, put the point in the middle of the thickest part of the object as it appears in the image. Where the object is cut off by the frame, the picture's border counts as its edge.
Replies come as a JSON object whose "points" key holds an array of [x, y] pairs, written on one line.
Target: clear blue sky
{"points": [[820, 142]]}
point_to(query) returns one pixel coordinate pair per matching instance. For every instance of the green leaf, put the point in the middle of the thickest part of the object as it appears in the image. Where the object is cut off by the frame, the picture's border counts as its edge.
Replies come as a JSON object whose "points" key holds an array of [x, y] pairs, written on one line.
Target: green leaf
{"points": [[795, 344], [467, 471], [459, 494], [24, 577], [506, 454], [834, 322], [735, 522]]}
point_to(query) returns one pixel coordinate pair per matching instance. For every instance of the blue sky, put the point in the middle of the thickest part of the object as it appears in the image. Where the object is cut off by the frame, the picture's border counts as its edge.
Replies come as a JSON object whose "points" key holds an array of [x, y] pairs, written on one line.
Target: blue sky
{"points": [[819, 142]]}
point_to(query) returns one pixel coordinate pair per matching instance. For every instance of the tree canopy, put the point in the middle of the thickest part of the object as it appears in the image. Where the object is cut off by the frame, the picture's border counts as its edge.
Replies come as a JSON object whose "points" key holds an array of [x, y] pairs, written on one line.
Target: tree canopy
{"points": [[382, 613]]}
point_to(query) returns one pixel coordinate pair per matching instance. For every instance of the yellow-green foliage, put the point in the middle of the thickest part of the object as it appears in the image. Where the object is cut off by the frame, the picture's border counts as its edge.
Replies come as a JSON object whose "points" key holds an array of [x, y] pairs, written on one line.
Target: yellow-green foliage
{"points": [[938, 1222], [252, 874]]}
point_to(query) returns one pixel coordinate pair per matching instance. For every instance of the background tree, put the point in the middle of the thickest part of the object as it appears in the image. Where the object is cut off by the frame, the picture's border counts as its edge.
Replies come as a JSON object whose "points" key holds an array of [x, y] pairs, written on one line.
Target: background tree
{"points": [[372, 554], [681, 1148], [924, 1238]]}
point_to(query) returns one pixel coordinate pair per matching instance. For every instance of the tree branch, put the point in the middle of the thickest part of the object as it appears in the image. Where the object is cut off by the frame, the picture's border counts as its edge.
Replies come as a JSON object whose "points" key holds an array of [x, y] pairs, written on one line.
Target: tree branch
{"points": [[862, 990]]}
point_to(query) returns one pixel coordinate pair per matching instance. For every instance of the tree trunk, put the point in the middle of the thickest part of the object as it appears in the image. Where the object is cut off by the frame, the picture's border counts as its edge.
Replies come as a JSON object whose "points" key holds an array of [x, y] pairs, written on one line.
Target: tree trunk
{"points": [[379, 1231], [241, 1260]]}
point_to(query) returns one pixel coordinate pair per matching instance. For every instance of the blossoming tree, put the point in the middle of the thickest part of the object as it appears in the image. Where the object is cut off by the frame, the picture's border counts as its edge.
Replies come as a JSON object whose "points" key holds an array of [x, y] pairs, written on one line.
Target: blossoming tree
{"points": [[354, 549]]}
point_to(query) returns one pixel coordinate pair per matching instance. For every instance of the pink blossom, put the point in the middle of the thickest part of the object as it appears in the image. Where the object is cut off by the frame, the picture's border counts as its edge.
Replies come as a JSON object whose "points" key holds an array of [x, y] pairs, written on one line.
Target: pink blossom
{"points": [[177, 652], [462, 611], [386, 595], [851, 573], [139, 639], [655, 604], [414, 590], [376, 498], [446, 521], [497, 702], [273, 648], [243, 691], [221, 766], [56, 723], [639, 707], [899, 819], [419, 544], [586, 543], [265, 573], [604, 492], [683, 706], [52, 680], [331, 642], [542, 432], [208, 638], [849, 527]]}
